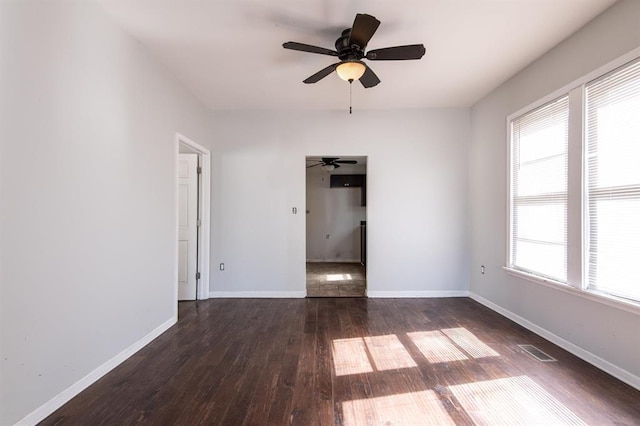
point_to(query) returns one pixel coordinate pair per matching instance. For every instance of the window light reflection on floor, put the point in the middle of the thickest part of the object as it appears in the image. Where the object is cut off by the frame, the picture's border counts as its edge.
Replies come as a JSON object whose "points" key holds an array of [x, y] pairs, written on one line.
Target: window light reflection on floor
{"points": [[436, 347], [350, 357], [379, 353], [388, 353], [339, 277], [469, 342], [512, 401], [413, 408]]}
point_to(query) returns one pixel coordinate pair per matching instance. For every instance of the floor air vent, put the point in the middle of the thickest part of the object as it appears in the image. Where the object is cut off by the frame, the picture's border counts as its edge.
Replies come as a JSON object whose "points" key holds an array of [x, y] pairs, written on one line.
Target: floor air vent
{"points": [[536, 353]]}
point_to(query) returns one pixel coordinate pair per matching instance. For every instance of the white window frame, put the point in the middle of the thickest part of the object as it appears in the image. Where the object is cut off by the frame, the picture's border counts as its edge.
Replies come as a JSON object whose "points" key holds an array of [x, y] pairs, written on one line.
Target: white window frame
{"points": [[576, 254]]}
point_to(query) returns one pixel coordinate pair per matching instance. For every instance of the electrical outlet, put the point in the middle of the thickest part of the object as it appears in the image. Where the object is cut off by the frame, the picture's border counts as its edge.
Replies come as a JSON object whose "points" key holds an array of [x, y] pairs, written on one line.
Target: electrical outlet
{"points": [[482, 269]]}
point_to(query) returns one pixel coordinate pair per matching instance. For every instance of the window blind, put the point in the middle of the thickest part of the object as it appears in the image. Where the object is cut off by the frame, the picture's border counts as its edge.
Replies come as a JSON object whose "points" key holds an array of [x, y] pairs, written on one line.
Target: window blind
{"points": [[612, 225], [539, 144]]}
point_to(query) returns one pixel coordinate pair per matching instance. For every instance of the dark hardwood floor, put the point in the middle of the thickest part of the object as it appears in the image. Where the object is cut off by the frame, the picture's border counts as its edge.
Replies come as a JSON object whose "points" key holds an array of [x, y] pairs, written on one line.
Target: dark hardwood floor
{"points": [[349, 361]]}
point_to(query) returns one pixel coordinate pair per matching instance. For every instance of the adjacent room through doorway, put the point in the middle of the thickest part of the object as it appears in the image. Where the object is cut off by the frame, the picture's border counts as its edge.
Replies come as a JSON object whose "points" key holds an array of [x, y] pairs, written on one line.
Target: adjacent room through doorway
{"points": [[336, 226]]}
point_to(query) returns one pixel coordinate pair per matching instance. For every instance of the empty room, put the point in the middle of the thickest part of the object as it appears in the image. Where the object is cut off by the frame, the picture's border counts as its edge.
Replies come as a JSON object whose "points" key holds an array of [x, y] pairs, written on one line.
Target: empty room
{"points": [[319, 213]]}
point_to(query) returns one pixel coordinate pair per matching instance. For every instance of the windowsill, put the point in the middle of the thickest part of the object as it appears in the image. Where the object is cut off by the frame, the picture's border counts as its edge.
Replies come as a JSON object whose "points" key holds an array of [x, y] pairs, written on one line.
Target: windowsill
{"points": [[605, 299]]}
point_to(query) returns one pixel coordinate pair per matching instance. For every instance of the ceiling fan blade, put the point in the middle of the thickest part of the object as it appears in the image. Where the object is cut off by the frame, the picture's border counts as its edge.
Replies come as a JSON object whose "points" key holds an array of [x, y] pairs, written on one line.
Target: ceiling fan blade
{"points": [[369, 78], [397, 53], [308, 48], [313, 165], [321, 74], [346, 161], [364, 27], [327, 160]]}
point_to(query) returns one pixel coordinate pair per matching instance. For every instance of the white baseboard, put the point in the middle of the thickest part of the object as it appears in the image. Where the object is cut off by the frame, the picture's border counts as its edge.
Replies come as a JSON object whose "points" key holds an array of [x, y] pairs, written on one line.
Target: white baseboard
{"points": [[595, 360], [417, 294], [63, 397], [258, 294], [333, 260]]}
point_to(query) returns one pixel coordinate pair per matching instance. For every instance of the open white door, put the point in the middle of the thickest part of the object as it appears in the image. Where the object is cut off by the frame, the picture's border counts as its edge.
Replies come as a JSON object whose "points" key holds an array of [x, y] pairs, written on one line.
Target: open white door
{"points": [[187, 226]]}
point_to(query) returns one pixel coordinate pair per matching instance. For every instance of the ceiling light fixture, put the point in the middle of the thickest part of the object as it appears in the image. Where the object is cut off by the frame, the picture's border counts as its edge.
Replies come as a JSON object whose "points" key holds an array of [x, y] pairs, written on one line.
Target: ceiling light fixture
{"points": [[351, 70], [328, 167]]}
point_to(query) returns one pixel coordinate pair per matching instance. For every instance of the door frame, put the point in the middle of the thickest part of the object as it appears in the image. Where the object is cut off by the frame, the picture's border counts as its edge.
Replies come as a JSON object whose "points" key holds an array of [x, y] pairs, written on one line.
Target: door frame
{"points": [[367, 158], [204, 212]]}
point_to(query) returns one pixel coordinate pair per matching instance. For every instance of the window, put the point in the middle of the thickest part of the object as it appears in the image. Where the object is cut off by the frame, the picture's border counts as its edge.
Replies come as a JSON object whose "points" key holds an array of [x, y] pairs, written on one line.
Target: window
{"points": [[613, 182], [575, 185], [539, 190]]}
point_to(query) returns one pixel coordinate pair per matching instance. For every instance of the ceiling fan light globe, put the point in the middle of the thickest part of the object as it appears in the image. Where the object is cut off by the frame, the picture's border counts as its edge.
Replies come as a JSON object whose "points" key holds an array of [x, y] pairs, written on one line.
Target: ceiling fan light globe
{"points": [[351, 70], [328, 167]]}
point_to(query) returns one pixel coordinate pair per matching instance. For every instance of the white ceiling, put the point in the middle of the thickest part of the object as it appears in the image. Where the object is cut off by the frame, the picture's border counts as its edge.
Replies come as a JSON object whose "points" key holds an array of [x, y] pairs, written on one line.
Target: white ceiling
{"points": [[229, 52]]}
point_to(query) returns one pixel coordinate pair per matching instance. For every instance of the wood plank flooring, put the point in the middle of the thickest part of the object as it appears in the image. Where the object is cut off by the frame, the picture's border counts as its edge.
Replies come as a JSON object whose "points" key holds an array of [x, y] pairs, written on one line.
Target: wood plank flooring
{"points": [[333, 279], [349, 361]]}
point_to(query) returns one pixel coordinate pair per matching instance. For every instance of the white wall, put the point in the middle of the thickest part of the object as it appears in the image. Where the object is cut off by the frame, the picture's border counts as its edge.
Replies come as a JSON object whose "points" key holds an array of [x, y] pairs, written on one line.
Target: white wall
{"points": [[603, 331], [336, 212], [87, 213], [416, 203]]}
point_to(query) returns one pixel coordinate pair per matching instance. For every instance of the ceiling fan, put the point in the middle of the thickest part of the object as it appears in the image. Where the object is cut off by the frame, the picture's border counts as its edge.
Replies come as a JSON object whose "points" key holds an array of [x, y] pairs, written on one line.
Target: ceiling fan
{"points": [[350, 49], [330, 163]]}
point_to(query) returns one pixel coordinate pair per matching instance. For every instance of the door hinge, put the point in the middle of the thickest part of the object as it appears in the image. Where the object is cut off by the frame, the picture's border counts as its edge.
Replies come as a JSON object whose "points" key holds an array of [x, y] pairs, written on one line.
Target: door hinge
{"points": [[199, 169], [198, 222], [197, 275]]}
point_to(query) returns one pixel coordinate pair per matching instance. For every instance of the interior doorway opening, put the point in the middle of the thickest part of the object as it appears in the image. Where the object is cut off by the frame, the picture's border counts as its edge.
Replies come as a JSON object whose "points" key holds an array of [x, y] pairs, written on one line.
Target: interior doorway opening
{"points": [[336, 226], [193, 186]]}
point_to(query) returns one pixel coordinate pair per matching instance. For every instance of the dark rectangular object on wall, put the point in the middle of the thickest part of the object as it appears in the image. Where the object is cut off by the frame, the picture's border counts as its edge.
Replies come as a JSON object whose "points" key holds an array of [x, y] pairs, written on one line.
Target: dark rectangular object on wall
{"points": [[346, 181], [351, 181]]}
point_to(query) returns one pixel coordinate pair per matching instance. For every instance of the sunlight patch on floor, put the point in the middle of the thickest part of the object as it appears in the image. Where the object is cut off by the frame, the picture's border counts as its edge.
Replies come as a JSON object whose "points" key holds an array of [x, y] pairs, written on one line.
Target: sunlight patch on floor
{"points": [[512, 401], [469, 342], [379, 353], [350, 357], [339, 277], [414, 408], [389, 353], [436, 347]]}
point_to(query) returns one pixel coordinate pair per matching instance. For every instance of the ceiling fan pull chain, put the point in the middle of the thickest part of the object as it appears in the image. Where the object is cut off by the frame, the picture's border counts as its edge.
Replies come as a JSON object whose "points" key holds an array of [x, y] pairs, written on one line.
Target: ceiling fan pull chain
{"points": [[350, 103]]}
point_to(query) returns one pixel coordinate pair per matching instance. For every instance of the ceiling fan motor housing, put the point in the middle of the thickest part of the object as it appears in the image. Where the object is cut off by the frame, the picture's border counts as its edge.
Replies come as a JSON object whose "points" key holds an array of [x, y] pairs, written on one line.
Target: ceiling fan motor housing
{"points": [[347, 52]]}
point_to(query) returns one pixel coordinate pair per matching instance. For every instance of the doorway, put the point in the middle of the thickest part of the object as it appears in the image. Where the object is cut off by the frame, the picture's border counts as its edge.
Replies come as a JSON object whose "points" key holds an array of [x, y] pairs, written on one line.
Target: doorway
{"points": [[193, 171], [336, 226]]}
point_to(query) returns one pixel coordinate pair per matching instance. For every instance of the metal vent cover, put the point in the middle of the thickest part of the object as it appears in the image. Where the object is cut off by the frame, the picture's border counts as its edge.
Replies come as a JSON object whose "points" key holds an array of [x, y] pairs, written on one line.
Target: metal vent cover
{"points": [[537, 353]]}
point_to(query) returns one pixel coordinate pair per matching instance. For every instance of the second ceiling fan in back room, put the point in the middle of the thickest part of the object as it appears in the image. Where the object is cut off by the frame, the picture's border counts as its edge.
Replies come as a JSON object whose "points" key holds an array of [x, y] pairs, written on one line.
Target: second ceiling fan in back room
{"points": [[350, 49], [329, 164]]}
